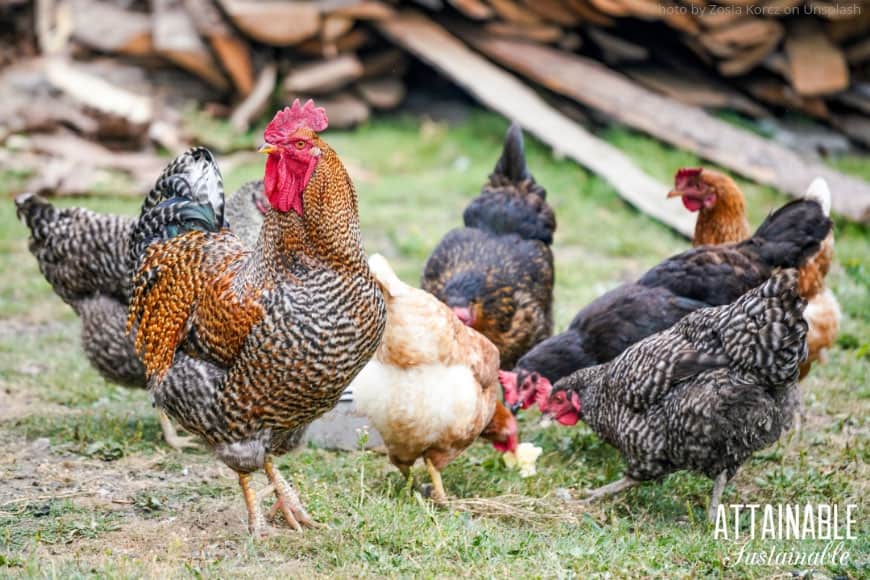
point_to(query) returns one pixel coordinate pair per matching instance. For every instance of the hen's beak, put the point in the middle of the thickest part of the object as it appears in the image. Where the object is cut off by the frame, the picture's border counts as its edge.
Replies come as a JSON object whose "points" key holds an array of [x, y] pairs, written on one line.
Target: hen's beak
{"points": [[265, 149], [674, 193], [514, 409]]}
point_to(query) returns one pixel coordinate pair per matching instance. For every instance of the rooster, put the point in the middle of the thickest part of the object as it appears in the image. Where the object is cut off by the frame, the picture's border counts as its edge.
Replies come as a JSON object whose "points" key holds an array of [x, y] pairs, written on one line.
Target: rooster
{"points": [[721, 211], [282, 328], [703, 395], [432, 387], [698, 278], [496, 273], [83, 255]]}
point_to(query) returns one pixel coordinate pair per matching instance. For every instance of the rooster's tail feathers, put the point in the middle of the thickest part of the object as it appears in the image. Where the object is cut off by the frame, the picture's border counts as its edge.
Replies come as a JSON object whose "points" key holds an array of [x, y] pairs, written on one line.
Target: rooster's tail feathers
{"points": [[194, 176]]}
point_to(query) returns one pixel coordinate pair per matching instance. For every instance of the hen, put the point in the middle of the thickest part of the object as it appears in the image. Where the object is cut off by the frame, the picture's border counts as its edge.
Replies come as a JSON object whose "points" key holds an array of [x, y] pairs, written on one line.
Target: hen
{"points": [[432, 387], [722, 219], [496, 273], [703, 395], [83, 255], [704, 276], [282, 328]]}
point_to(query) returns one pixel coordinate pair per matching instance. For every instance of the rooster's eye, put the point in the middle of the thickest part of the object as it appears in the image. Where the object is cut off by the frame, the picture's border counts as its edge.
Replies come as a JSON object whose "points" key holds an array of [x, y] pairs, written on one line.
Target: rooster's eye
{"points": [[300, 144]]}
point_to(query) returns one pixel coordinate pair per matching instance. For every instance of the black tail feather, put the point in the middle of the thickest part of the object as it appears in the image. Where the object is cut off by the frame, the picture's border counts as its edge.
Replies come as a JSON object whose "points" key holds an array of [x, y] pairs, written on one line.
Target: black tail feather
{"points": [[791, 234], [512, 163]]}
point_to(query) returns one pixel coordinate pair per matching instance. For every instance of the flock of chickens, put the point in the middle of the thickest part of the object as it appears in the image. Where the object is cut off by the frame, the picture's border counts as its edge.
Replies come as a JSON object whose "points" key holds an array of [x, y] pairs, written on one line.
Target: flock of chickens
{"points": [[247, 319]]}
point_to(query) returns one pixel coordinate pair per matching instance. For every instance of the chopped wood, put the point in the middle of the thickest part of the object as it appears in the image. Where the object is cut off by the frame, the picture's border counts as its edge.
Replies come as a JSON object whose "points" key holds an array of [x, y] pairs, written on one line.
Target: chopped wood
{"points": [[748, 59], [680, 125], [842, 30], [611, 7], [588, 13], [323, 76], [274, 22], [335, 26], [747, 32], [855, 99], [392, 62], [507, 95], [817, 66], [511, 11], [345, 110], [537, 32], [257, 100], [783, 95], [109, 28], [855, 126], [645, 9], [232, 51], [349, 43], [176, 38], [553, 10], [382, 94], [98, 94], [364, 10], [859, 52], [474, 9]]}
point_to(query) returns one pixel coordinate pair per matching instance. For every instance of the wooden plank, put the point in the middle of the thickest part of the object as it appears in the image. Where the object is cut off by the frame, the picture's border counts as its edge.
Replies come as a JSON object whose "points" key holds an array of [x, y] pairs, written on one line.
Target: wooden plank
{"points": [[687, 127], [231, 49], [817, 66], [323, 76], [554, 11], [382, 94], [505, 94], [474, 9], [176, 38], [109, 28], [537, 32]]}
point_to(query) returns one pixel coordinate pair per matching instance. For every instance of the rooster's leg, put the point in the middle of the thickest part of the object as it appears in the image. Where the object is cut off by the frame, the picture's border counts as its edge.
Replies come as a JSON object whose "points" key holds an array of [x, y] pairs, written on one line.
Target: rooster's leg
{"points": [[288, 501], [438, 495], [716, 496], [256, 523], [172, 438], [610, 489]]}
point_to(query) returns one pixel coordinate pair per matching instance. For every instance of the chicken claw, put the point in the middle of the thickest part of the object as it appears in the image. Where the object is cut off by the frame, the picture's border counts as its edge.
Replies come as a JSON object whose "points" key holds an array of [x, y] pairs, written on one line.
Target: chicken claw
{"points": [[287, 500], [438, 495], [171, 436], [609, 489]]}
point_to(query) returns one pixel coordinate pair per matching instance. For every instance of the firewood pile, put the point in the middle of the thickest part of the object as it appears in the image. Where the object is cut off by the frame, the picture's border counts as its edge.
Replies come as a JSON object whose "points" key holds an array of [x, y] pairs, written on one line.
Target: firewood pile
{"points": [[116, 73]]}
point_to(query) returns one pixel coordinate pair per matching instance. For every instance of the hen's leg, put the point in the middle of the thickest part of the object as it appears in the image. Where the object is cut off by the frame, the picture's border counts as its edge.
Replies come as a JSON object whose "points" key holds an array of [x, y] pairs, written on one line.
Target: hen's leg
{"points": [[438, 495], [716, 497], [610, 489], [171, 436], [256, 523], [288, 502]]}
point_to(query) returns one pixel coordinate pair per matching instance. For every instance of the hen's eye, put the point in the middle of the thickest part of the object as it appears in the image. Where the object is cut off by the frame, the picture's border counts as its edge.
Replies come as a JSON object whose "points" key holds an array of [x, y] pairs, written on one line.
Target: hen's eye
{"points": [[300, 144]]}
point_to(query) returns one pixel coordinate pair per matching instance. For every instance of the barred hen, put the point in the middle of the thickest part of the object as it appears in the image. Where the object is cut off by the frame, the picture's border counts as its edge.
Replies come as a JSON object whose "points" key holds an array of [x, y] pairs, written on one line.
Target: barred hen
{"points": [[703, 395], [432, 387], [283, 328], [721, 211], [701, 277], [83, 255], [496, 273]]}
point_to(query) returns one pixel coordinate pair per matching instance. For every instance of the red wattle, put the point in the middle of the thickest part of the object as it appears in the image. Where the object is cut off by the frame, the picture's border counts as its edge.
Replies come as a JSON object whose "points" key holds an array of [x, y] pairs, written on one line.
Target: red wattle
{"points": [[692, 203]]}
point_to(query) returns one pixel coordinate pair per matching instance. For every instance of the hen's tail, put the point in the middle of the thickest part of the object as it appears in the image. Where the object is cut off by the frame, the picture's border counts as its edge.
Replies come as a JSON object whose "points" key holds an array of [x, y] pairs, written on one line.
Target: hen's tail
{"points": [[188, 196], [762, 335], [794, 232], [390, 284], [81, 253], [512, 202]]}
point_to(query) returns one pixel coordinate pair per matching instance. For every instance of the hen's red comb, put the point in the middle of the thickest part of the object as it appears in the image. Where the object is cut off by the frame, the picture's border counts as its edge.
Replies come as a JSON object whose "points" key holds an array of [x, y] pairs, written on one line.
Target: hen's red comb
{"points": [[687, 173], [289, 119]]}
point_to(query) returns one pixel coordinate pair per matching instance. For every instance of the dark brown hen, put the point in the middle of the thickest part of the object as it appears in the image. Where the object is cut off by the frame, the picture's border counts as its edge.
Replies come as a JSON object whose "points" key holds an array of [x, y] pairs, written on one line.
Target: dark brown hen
{"points": [[283, 328], [496, 273], [703, 395]]}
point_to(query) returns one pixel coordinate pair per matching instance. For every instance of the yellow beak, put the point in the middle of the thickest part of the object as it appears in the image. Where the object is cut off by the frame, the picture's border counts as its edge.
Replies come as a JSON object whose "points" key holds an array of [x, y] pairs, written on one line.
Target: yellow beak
{"points": [[265, 149], [674, 193]]}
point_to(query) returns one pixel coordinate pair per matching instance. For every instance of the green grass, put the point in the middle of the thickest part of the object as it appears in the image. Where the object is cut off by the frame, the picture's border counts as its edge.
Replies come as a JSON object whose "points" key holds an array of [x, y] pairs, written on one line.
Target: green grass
{"points": [[413, 179]]}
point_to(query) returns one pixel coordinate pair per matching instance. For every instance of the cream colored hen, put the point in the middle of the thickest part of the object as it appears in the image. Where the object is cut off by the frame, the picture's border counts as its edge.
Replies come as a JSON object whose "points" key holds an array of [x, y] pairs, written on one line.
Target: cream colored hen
{"points": [[432, 387]]}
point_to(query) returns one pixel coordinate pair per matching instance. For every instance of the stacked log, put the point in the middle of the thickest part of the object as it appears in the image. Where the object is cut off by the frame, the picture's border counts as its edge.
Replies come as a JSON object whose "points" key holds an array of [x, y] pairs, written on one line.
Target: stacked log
{"points": [[242, 58]]}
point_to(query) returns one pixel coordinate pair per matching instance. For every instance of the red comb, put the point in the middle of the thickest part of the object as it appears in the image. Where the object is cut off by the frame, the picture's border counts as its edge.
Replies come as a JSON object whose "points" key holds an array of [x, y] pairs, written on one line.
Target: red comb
{"points": [[687, 173], [289, 119]]}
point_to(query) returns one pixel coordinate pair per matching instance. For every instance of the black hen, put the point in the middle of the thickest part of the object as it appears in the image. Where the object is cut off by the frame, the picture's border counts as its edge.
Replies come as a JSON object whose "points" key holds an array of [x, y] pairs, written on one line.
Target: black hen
{"points": [[84, 256], [703, 395], [703, 276], [496, 273]]}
